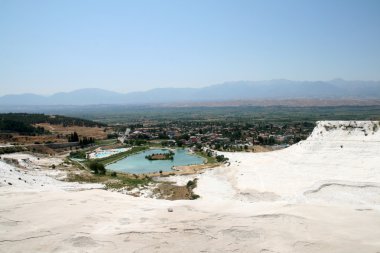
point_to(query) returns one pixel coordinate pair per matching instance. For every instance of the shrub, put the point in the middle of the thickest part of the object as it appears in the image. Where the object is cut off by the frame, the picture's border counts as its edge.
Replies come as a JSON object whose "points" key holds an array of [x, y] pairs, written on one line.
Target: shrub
{"points": [[221, 158], [113, 174], [111, 136], [190, 184], [194, 196], [375, 127], [97, 168], [78, 154], [101, 169]]}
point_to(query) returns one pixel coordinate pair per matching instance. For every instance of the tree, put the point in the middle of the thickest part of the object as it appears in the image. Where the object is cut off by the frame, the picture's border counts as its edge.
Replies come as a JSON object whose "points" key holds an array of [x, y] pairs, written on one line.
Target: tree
{"points": [[185, 137], [221, 158], [271, 140], [97, 168], [73, 137], [180, 143], [85, 141]]}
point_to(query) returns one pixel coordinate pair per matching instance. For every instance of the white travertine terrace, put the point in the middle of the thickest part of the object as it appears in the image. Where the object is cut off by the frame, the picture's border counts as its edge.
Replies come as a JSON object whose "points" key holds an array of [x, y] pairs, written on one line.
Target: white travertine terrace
{"points": [[343, 153]]}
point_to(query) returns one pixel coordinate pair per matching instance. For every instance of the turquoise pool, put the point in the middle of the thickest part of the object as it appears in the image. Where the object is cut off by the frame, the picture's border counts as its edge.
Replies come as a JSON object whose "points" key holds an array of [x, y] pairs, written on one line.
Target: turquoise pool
{"points": [[138, 164]]}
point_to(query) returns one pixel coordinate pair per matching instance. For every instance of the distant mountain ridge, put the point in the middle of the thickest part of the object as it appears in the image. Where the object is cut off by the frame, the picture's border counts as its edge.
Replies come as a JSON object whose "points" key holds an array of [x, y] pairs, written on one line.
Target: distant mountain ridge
{"points": [[241, 90]]}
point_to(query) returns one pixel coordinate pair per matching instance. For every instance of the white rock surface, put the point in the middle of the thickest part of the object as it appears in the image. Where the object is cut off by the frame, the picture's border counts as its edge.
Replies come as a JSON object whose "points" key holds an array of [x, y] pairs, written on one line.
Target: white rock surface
{"points": [[34, 173], [337, 154]]}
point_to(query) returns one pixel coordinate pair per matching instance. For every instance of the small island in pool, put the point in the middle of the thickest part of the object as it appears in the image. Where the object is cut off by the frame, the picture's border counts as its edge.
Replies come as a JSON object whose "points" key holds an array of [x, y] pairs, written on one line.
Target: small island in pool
{"points": [[160, 156], [139, 164]]}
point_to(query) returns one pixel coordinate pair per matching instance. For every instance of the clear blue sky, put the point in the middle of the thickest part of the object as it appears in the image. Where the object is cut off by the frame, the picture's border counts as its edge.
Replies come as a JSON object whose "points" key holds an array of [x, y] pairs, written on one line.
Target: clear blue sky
{"points": [[49, 46]]}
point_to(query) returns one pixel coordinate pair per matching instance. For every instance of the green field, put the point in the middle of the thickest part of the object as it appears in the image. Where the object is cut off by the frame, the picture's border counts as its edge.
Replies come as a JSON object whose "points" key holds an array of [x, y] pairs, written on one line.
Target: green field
{"points": [[274, 114]]}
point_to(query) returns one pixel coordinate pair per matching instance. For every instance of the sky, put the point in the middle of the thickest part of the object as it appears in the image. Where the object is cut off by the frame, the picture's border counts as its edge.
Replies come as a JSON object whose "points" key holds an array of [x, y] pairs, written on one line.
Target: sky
{"points": [[63, 45]]}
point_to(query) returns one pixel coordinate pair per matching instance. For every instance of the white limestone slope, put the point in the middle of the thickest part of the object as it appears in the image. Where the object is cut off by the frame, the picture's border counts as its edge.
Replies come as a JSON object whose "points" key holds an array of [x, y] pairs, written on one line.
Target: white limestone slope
{"points": [[339, 162], [35, 173]]}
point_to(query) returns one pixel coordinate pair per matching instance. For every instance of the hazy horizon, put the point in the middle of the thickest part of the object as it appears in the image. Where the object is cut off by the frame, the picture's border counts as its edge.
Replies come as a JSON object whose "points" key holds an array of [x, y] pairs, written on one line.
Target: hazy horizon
{"points": [[125, 46], [173, 87]]}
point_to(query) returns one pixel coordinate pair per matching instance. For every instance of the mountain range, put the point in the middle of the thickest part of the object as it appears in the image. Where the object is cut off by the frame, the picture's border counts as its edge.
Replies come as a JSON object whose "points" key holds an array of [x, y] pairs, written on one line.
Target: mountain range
{"points": [[229, 91]]}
